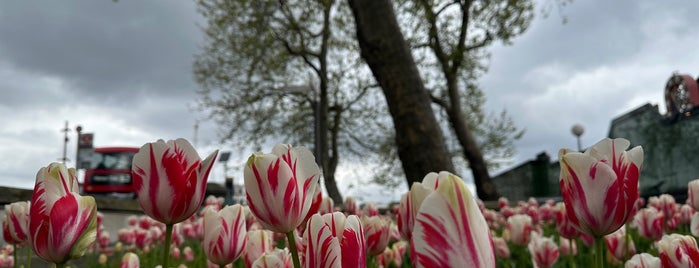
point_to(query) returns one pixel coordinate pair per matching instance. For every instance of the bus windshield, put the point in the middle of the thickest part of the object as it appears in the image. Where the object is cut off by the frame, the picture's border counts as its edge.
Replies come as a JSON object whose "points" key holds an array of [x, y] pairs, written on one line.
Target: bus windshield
{"points": [[111, 160]]}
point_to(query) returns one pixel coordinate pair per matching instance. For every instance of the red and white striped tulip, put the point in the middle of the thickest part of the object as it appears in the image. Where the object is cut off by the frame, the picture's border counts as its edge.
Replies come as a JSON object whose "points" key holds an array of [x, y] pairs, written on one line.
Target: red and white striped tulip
{"points": [[350, 206], [279, 258], [170, 179], [693, 194], [678, 250], [450, 230], [643, 260], [280, 186], [15, 224], [326, 206], [376, 234], [649, 222], [350, 235], [411, 201], [617, 244], [519, 228], [694, 225], [259, 242], [544, 251], [501, 249], [224, 234], [321, 247], [685, 214], [600, 186], [567, 246], [130, 260], [563, 224], [62, 223]]}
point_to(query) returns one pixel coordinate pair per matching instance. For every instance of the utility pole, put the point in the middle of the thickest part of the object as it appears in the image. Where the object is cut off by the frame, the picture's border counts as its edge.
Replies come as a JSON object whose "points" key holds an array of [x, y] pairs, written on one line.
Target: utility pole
{"points": [[65, 131]]}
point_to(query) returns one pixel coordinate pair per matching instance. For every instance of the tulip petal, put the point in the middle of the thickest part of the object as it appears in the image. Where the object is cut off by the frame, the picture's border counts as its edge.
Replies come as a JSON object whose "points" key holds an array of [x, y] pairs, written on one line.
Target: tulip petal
{"points": [[450, 231]]}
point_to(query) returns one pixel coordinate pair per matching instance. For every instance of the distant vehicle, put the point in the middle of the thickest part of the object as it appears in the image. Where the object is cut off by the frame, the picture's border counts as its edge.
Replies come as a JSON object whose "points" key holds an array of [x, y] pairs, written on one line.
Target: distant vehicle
{"points": [[110, 171]]}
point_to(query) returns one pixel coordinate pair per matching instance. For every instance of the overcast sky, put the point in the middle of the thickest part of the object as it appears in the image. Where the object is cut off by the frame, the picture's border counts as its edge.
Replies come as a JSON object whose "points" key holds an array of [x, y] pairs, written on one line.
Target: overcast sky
{"points": [[123, 71]]}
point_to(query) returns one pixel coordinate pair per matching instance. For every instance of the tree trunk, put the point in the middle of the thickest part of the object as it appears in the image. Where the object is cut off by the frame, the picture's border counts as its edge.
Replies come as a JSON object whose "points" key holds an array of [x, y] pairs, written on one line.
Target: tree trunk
{"points": [[420, 142]]}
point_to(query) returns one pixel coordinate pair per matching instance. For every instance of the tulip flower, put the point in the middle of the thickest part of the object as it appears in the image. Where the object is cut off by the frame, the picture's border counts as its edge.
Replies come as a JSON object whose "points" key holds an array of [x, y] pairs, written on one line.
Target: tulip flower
{"points": [[170, 179], [280, 186], [62, 223], [567, 247], [450, 230], [643, 260], [280, 189], [224, 234], [649, 222], [376, 234], [693, 194], [411, 201], [326, 206], [322, 249], [617, 244], [543, 250], [519, 228], [279, 258], [678, 251], [350, 206], [349, 233], [563, 224], [259, 242], [15, 224], [600, 186], [501, 248], [130, 260]]}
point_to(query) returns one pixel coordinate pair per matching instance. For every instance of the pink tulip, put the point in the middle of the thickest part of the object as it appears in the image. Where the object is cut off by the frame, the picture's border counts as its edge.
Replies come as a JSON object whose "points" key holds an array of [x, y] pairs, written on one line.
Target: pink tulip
{"points": [[279, 258], [224, 234], [693, 194], [280, 186], [678, 251], [170, 179], [450, 230], [686, 213], [62, 223], [600, 186], [643, 260], [544, 251], [130, 260], [519, 228], [15, 224], [390, 258], [370, 209], [259, 242], [649, 222]]}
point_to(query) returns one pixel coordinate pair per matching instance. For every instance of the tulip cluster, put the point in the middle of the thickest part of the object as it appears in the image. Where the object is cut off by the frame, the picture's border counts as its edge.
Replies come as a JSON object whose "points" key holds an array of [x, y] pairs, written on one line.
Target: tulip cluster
{"points": [[601, 221]]}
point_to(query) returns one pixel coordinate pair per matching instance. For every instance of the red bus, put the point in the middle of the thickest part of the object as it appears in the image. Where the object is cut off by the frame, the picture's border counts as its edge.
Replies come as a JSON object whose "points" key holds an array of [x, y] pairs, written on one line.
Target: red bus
{"points": [[110, 171]]}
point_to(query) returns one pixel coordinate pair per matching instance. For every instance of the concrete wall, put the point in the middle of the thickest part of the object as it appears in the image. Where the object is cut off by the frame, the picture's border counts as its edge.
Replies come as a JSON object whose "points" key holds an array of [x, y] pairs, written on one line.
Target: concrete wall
{"points": [[669, 144]]}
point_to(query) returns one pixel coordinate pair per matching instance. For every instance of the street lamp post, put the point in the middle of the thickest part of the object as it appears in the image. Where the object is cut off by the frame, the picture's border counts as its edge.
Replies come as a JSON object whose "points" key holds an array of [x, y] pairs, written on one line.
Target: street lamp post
{"points": [[313, 100], [578, 130]]}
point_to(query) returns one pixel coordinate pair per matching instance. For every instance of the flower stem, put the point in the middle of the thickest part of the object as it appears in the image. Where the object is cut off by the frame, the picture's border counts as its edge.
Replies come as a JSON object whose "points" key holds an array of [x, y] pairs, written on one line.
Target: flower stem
{"points": [[571, 261], [60, 265], [29, 257], [166, 251], [600, 250], [292, 247]]}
